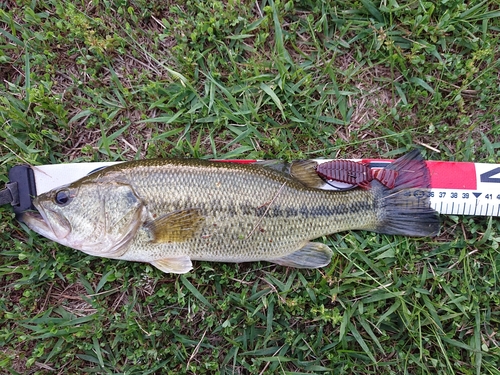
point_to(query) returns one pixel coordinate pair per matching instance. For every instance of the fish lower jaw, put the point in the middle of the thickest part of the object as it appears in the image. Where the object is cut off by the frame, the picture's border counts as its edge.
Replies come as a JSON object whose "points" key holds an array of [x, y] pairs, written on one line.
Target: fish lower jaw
{"points": [[35, 221]]}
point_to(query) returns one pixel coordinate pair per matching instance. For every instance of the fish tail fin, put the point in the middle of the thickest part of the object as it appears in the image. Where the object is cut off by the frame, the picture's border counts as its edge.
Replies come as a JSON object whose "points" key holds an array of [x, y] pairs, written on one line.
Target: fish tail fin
{"points": [[405, 208]]}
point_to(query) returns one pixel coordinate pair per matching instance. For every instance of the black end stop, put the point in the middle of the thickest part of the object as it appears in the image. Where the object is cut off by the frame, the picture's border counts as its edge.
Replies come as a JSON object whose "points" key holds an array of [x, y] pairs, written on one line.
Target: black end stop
{"points": [[22, 197]]}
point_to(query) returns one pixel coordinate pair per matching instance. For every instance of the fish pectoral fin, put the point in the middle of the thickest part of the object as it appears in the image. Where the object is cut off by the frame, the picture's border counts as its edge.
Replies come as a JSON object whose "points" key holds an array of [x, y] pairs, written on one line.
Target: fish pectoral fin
{"points": [[312, 255], [304, 171], [177, 226], [181, 264]]}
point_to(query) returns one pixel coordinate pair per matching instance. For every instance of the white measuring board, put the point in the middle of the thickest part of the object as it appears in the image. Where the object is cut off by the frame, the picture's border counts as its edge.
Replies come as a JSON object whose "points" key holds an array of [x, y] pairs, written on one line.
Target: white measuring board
{"points": [[457, 188], [51, 176]]}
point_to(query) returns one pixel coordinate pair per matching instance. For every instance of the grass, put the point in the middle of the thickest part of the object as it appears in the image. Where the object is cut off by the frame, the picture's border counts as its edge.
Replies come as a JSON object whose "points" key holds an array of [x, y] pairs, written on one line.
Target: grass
{"points": [[117, 79]]}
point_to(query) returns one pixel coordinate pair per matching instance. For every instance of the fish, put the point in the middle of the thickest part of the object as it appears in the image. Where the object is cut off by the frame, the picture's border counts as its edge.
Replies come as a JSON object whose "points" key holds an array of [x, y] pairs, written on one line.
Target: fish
{"points": [[171, 212]]}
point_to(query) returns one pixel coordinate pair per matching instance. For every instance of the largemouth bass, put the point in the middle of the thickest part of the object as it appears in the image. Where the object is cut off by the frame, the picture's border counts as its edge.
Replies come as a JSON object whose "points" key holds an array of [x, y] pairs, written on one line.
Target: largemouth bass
{"points": [[170, 212]]}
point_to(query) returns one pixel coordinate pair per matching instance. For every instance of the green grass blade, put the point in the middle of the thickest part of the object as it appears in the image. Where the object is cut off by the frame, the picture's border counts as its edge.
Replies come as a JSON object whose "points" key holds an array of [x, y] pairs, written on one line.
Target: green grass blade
{"points": [[373, 10], [269, 91], [12, 38], [361, 342], [195, 292]]}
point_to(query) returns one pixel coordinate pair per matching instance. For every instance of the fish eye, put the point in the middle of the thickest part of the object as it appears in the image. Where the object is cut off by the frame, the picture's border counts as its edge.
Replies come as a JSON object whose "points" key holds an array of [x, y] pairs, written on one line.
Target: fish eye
{"points": [[62, 197]]}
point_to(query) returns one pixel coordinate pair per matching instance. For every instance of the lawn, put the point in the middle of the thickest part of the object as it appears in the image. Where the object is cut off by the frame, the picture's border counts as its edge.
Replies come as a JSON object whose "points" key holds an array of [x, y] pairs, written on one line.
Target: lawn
{"points": [[120, 80]]}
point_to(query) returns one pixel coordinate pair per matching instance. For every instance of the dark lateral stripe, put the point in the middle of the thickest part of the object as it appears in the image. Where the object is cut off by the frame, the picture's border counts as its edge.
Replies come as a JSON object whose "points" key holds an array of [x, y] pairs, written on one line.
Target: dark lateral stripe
{"points": [[316, 211], [276, 210]]}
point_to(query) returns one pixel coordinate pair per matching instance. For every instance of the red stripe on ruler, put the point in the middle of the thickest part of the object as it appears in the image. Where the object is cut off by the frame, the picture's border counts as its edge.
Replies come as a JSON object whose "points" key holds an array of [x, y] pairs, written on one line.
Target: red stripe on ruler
{"points": [[452, 175]]}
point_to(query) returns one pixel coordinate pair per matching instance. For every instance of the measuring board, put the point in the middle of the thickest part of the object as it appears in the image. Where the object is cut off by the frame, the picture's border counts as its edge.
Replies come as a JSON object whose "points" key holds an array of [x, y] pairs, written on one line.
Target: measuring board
{"points": [[457, 188]]}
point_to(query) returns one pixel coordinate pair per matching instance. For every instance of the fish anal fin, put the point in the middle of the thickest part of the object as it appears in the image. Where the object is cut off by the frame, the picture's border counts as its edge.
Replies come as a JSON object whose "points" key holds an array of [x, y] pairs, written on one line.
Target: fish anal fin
{"points": [[311, 255], [177, 226], [180, 264]]}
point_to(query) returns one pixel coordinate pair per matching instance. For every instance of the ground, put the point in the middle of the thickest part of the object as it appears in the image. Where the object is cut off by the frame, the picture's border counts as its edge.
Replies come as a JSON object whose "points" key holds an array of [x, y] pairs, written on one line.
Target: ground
{"points": [[120, 80]]}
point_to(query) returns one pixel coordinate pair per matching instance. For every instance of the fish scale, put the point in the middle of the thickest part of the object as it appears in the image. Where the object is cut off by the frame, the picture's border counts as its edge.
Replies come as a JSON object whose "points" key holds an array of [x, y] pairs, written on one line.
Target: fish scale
{"points": [[218, 194], [170, 212], [225, 191]]}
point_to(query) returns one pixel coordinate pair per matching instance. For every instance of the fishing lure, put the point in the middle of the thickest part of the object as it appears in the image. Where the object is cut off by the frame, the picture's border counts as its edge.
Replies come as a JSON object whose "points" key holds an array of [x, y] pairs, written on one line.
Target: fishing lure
{"points": [[355, 174]]}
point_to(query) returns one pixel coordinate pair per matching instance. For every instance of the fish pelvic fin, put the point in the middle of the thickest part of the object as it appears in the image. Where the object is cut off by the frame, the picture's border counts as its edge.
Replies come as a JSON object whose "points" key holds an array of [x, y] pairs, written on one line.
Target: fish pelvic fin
{"points": [[311, 255], [405, 208], [177, 226], [180, 264]]}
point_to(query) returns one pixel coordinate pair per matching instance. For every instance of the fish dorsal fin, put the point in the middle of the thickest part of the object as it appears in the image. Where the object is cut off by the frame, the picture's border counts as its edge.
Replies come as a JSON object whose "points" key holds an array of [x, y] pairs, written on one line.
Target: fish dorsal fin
{"points": [[177, 226], [312, 255], [304, 171], [276, 165], [180, 264]]}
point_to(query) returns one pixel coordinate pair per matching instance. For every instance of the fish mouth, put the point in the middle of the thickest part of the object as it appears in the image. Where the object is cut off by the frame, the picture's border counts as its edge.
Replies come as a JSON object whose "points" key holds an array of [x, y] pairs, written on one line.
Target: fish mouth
{"points": [[29, 217], [40, 222], [36, 222]]}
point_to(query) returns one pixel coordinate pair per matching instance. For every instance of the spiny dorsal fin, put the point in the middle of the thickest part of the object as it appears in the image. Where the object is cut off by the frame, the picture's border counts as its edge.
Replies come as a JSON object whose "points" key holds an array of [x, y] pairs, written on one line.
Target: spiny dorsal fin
{"points": [[177, 226], [276, 165], [304, 171]]}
